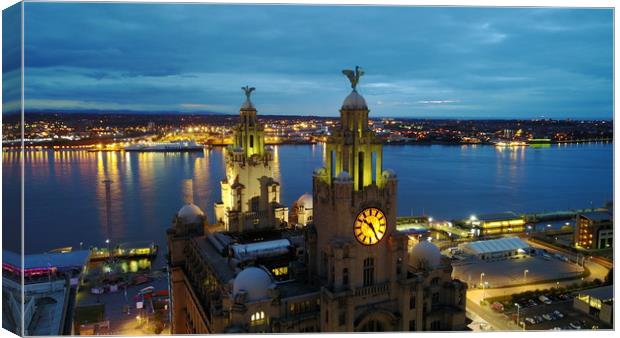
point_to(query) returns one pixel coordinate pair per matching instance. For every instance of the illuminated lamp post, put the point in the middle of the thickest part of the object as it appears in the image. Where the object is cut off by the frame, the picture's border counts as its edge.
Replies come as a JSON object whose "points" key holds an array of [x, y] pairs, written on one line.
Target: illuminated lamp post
{"points": [[482, 274], [518, 310], [525, 275]]}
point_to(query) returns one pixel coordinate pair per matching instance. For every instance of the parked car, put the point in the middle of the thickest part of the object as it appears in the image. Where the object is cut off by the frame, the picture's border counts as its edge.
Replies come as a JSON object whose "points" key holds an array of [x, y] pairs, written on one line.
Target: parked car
{"points": [[497, 307], [546, 256], [539, 319], [544, 299], [564, 296], [547, 316], [532, 302], [530, 320], [575, 325], [558, 314]]}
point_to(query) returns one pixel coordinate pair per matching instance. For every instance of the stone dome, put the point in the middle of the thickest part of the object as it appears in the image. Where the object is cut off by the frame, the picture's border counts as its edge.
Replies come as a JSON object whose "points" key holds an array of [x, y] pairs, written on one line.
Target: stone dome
{"points": [[343, 177], [305, 200], [425, 253], [247, 105], [255, 282], [322, 171], [190, 214], [354, 101], [389, 173]]}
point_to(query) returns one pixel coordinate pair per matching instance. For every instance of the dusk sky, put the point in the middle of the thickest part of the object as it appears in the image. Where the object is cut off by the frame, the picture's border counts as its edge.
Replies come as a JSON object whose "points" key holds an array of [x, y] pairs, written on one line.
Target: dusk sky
{"points": [[419, 62]]}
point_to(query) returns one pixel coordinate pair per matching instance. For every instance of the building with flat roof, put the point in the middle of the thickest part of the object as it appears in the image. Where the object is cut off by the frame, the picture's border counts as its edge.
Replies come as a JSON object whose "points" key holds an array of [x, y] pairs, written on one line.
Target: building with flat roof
{"points": [[594, 230], [47, 280], [496, 224], [597, 302], [495, 248]]}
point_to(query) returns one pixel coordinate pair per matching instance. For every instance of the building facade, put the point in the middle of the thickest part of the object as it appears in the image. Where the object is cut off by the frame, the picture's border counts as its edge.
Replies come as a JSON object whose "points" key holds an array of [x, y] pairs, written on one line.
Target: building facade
{"points": [[594, 230], [250, 193], [347, 270]]}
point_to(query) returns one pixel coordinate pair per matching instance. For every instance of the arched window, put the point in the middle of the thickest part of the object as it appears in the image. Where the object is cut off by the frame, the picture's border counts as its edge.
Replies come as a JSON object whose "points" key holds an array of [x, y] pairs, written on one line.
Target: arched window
{"points": [[258, 318]]}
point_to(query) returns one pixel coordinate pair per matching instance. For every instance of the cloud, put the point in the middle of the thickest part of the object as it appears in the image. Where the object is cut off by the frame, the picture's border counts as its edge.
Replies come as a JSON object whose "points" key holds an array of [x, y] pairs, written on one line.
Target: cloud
{"points": [[437, 101], [498, 62]]}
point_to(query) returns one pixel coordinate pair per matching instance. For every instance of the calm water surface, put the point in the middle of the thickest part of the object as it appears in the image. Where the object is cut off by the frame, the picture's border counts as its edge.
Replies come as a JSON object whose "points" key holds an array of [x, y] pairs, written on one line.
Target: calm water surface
{"points": [[65, 199]]}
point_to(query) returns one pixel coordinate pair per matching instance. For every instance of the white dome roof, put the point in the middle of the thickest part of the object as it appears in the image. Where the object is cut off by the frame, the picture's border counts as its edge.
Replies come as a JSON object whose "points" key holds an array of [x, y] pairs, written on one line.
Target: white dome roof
{"points": [[190, 213], [425, 253], [354, 101], [320, 171], [305, 200], [254, 281], [389, 173]]}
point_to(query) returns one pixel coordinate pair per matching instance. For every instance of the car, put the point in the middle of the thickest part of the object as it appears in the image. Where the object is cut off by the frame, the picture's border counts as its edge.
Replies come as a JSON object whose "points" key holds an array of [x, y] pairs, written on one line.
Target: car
{"points": [[539, 319], [544, 299], [575, 325], [530, 320], [558, 314], [547, 316], [546, 257], [564, 296], [532, 302]]}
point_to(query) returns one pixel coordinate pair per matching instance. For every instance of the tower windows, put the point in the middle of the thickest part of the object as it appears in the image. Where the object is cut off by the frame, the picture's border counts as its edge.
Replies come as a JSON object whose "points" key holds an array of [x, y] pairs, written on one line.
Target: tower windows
{"points": [[251, 141], [345, 277], [258, 318], [369, 271], [373, 167], [332, 163], [360, 167]]}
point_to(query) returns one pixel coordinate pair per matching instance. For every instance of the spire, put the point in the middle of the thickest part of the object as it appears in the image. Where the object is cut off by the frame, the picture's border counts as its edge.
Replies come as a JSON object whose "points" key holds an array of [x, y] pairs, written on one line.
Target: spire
{"points": [[248, 103], [354, 101]]}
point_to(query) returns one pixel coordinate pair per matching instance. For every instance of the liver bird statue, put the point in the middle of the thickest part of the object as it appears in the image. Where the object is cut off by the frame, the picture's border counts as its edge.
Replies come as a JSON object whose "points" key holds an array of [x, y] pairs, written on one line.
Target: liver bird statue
{"points": [[248, 90], [354, 76]]}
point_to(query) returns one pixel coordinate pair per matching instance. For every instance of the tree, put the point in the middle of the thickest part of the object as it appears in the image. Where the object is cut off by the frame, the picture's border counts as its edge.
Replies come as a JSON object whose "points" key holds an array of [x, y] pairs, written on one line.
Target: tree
{"points": [[609, 279]]}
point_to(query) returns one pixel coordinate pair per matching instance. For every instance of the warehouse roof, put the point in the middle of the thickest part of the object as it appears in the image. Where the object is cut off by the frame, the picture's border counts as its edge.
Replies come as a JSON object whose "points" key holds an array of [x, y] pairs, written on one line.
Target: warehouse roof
{"points": [[47, 260], [603, 293], [497, 245]]}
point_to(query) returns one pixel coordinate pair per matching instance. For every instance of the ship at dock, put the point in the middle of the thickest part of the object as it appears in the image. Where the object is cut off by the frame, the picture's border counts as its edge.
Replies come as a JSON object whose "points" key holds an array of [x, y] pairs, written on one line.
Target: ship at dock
{"points": [[176, 146]]}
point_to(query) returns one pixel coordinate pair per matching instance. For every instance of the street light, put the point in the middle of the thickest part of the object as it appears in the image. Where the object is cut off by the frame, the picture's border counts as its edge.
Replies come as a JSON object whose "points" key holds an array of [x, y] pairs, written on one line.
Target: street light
{"points": [[518, 309], [81, 243], [484, 293], [481, 275], [525, 275], [107, 241]]}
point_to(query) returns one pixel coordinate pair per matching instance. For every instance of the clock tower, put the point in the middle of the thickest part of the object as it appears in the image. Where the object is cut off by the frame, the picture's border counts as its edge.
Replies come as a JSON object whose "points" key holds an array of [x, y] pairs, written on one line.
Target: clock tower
{"points": [[356, 254]]}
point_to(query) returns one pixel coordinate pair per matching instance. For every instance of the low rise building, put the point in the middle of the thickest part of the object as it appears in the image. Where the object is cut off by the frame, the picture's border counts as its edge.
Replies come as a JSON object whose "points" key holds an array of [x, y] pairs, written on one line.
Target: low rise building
{"points": [[594, 230], [495, 249], [597, 302], [496, 224]]}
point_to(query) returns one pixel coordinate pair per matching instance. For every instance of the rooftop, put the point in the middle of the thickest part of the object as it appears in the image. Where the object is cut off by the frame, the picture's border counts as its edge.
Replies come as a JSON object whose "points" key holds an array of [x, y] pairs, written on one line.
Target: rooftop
{"points": [[603, 293], [597, 216], [497, 245], [71, 259], [498, 217]]}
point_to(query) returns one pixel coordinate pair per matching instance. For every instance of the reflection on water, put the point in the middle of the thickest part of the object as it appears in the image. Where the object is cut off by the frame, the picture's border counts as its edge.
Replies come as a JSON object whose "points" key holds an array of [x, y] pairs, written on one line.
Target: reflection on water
{"points": [[66, 198]]}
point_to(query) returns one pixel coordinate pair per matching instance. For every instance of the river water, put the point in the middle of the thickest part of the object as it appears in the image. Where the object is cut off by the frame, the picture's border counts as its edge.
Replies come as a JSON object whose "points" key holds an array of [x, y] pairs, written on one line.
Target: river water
{"points": [[66, 201]]}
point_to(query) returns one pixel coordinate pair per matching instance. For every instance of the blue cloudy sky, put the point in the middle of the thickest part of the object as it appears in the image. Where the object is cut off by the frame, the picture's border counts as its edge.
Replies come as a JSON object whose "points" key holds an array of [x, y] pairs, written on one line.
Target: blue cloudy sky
{"points": [[419, 62]]}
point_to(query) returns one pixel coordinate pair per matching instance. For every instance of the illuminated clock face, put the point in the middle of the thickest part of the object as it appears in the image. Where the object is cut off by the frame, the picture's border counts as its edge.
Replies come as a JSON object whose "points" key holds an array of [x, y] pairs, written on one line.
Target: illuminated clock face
{"points": [[370, 226]]}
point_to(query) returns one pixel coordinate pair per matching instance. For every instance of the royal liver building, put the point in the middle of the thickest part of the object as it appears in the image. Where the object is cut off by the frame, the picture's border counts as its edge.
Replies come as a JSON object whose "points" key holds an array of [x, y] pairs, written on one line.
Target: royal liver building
{"points": [[348, 270]]}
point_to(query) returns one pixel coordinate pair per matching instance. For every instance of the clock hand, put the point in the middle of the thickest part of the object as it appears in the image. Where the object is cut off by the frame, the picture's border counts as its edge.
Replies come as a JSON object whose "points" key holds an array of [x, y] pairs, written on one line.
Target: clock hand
{"points": [[372, 227]]}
